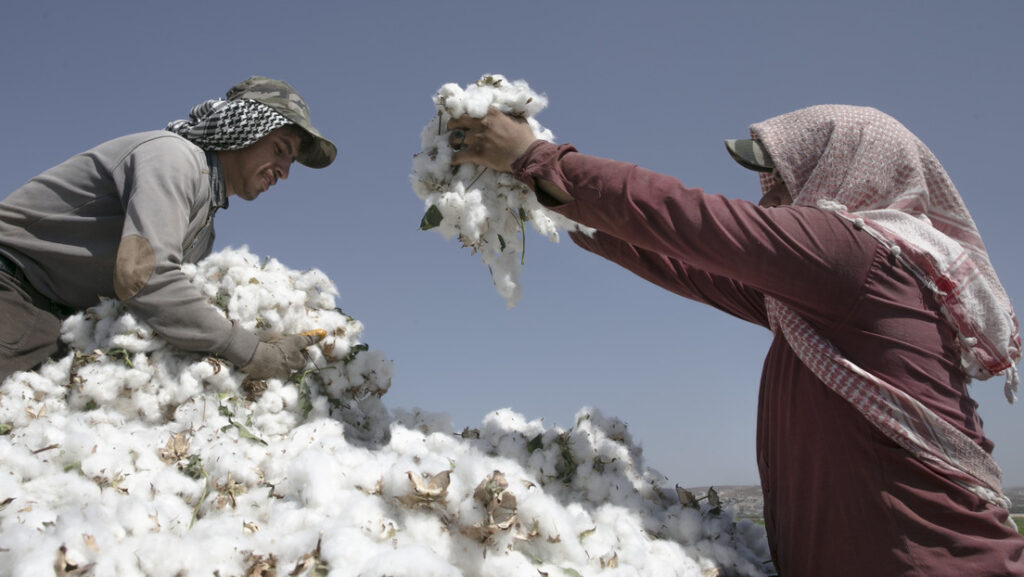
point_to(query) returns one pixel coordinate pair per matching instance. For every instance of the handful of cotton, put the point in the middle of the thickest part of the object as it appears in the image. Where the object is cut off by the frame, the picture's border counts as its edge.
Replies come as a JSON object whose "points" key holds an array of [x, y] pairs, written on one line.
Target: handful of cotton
{"points": [[486, 210]]}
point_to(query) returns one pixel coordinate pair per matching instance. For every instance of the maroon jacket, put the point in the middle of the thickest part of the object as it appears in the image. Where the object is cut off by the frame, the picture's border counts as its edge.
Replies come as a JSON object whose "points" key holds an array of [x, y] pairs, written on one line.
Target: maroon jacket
{"points": [[840, 498]]}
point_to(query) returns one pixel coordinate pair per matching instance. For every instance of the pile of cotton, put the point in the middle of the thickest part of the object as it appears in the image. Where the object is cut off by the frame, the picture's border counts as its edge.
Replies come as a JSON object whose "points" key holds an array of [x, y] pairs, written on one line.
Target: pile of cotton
{"points": [[127, 457], [486, 210]]}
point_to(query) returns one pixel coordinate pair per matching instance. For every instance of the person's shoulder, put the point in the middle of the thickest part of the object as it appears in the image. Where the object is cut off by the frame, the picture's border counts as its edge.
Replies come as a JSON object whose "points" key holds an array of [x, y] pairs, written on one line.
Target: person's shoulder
{"points": [[157, 145], [157, 138]]}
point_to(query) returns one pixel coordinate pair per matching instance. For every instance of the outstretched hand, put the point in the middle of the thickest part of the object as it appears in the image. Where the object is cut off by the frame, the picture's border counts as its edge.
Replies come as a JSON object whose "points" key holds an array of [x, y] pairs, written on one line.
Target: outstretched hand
{"points": [[280, 357], [494, 141]]}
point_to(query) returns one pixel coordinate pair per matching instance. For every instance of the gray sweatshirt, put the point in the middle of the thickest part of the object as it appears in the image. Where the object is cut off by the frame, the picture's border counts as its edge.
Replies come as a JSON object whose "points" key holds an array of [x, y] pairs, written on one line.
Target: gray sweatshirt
{"points": [[147, 195]]}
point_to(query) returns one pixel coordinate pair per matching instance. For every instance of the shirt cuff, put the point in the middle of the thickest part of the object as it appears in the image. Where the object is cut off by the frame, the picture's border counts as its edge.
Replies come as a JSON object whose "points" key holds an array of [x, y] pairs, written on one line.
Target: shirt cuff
{"points": [[241, 347], [542, 160]]}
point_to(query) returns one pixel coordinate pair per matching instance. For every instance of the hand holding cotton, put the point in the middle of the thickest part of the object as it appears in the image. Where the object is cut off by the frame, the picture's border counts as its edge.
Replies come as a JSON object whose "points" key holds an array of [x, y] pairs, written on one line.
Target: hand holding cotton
{"points": [[278, 358], [487, 210]]}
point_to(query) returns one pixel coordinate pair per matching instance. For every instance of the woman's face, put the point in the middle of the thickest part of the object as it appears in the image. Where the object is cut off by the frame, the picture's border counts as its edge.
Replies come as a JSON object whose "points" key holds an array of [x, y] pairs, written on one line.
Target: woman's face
{"points": [[777, 195]]}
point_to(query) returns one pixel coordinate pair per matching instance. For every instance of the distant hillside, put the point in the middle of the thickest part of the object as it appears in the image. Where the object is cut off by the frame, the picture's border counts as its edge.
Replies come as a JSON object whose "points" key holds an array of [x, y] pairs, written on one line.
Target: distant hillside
{"points": [[1016, 494], [749, 504], [747, 499]]}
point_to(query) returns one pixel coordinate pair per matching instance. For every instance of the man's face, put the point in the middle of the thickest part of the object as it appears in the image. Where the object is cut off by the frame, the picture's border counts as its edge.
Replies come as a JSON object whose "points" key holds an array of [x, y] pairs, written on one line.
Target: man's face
{"points": [[250, 171]]}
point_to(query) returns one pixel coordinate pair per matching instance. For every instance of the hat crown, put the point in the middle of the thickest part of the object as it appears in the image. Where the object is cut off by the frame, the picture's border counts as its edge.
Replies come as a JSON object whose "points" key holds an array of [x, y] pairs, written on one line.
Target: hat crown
{"points": [[276, 94], [284, 99]]}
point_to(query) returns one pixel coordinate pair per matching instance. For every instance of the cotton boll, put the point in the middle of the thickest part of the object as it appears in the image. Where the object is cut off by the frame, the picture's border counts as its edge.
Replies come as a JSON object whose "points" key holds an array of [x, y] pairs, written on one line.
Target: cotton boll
{"points": [[313, 477], [129, 334], [477, 102], [234, 460], [212, 555], [275, 423], [100, 383], [35, 555], [170, 490], [555, 524], [82, 440], [13, 401], [370, 372], [49, 494], [36, 385], [411, 561], [509, 563], [134, 516]]}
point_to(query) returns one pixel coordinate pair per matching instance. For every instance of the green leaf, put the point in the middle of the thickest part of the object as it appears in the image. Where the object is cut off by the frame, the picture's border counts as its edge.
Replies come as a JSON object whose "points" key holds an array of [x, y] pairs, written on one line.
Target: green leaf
{"points": [[501, 241], [194, 468], [587, 533], [305, 399], [535, 443], [223, 300], [432, 218], [5, 428], [355, 351], [243, 432]]}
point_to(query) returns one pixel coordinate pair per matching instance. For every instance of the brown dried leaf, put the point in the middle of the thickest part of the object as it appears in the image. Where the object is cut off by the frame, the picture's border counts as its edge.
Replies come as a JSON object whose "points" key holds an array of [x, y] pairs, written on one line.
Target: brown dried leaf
{"points": [[499, 505], [261, 566], [215, 363], [65, 568], [311, 565], [686, 498], [176, 449], [427, 490], [713, 499], [253, 388], [492, 486], [434, 488], [479, 532]]}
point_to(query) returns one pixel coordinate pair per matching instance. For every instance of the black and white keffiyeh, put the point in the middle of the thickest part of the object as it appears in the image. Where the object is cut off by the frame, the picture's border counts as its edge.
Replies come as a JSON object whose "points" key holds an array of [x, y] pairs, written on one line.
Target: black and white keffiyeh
{"points": [[228, 124]]}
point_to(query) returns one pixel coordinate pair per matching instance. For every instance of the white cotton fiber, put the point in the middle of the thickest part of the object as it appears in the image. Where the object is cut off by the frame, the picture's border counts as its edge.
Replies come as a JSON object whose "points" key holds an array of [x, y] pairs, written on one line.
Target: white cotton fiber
{"points": [[130, 458], [485, 210]]}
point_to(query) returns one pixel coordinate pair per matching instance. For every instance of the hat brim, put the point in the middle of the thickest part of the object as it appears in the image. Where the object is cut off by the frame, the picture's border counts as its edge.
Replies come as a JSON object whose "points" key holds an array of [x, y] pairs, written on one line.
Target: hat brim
{"points": [[319, 152], [750, 154]]}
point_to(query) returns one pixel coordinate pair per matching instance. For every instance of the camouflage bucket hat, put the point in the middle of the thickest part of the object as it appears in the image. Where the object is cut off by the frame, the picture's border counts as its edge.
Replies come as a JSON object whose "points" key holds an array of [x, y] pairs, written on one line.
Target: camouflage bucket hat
{"points": [[286, 101], [750, 154]]}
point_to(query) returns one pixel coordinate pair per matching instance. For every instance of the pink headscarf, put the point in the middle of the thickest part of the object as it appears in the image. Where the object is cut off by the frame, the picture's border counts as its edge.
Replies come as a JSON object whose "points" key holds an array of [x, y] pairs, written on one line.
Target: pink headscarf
{"points": [[869, 168]]}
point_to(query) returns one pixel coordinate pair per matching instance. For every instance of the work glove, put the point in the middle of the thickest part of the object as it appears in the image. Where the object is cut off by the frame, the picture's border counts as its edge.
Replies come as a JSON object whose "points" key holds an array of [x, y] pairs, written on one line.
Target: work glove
{"points": [[278, 358]]}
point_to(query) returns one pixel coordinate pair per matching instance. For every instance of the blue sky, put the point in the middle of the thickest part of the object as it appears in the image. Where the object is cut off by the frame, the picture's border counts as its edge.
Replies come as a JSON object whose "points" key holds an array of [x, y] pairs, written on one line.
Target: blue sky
{"points": [[660, 84]]}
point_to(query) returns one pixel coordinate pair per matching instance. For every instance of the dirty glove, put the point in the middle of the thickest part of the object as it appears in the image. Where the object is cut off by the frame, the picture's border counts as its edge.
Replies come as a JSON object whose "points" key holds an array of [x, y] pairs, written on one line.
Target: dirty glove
{"points": [[277, 358]]}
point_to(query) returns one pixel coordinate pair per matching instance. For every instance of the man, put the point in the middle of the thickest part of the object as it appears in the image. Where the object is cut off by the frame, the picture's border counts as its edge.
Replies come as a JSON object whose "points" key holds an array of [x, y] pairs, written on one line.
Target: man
{"points": [[864, 262], [119, 220]]}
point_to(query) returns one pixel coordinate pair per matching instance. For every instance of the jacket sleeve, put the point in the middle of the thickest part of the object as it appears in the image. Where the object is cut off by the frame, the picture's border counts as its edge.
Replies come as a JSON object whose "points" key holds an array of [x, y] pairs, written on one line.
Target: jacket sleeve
{"points": [[673, 275], [804, 256], [165, 188]]}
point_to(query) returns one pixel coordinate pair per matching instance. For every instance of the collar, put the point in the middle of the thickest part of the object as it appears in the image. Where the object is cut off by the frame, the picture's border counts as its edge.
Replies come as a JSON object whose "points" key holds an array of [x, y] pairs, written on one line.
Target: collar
{"points": [[218, 196]]}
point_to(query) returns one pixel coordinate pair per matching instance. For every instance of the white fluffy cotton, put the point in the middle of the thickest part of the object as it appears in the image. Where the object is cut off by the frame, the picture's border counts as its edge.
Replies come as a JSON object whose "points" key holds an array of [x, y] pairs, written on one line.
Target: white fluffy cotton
{"points": [[130, 458], [487, 211]]}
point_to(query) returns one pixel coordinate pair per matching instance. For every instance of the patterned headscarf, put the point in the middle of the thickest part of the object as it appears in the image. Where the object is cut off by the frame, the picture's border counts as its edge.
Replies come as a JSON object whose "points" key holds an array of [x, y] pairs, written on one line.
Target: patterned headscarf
{"points": [[228, 124], [872, 171], [869, 167]]}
